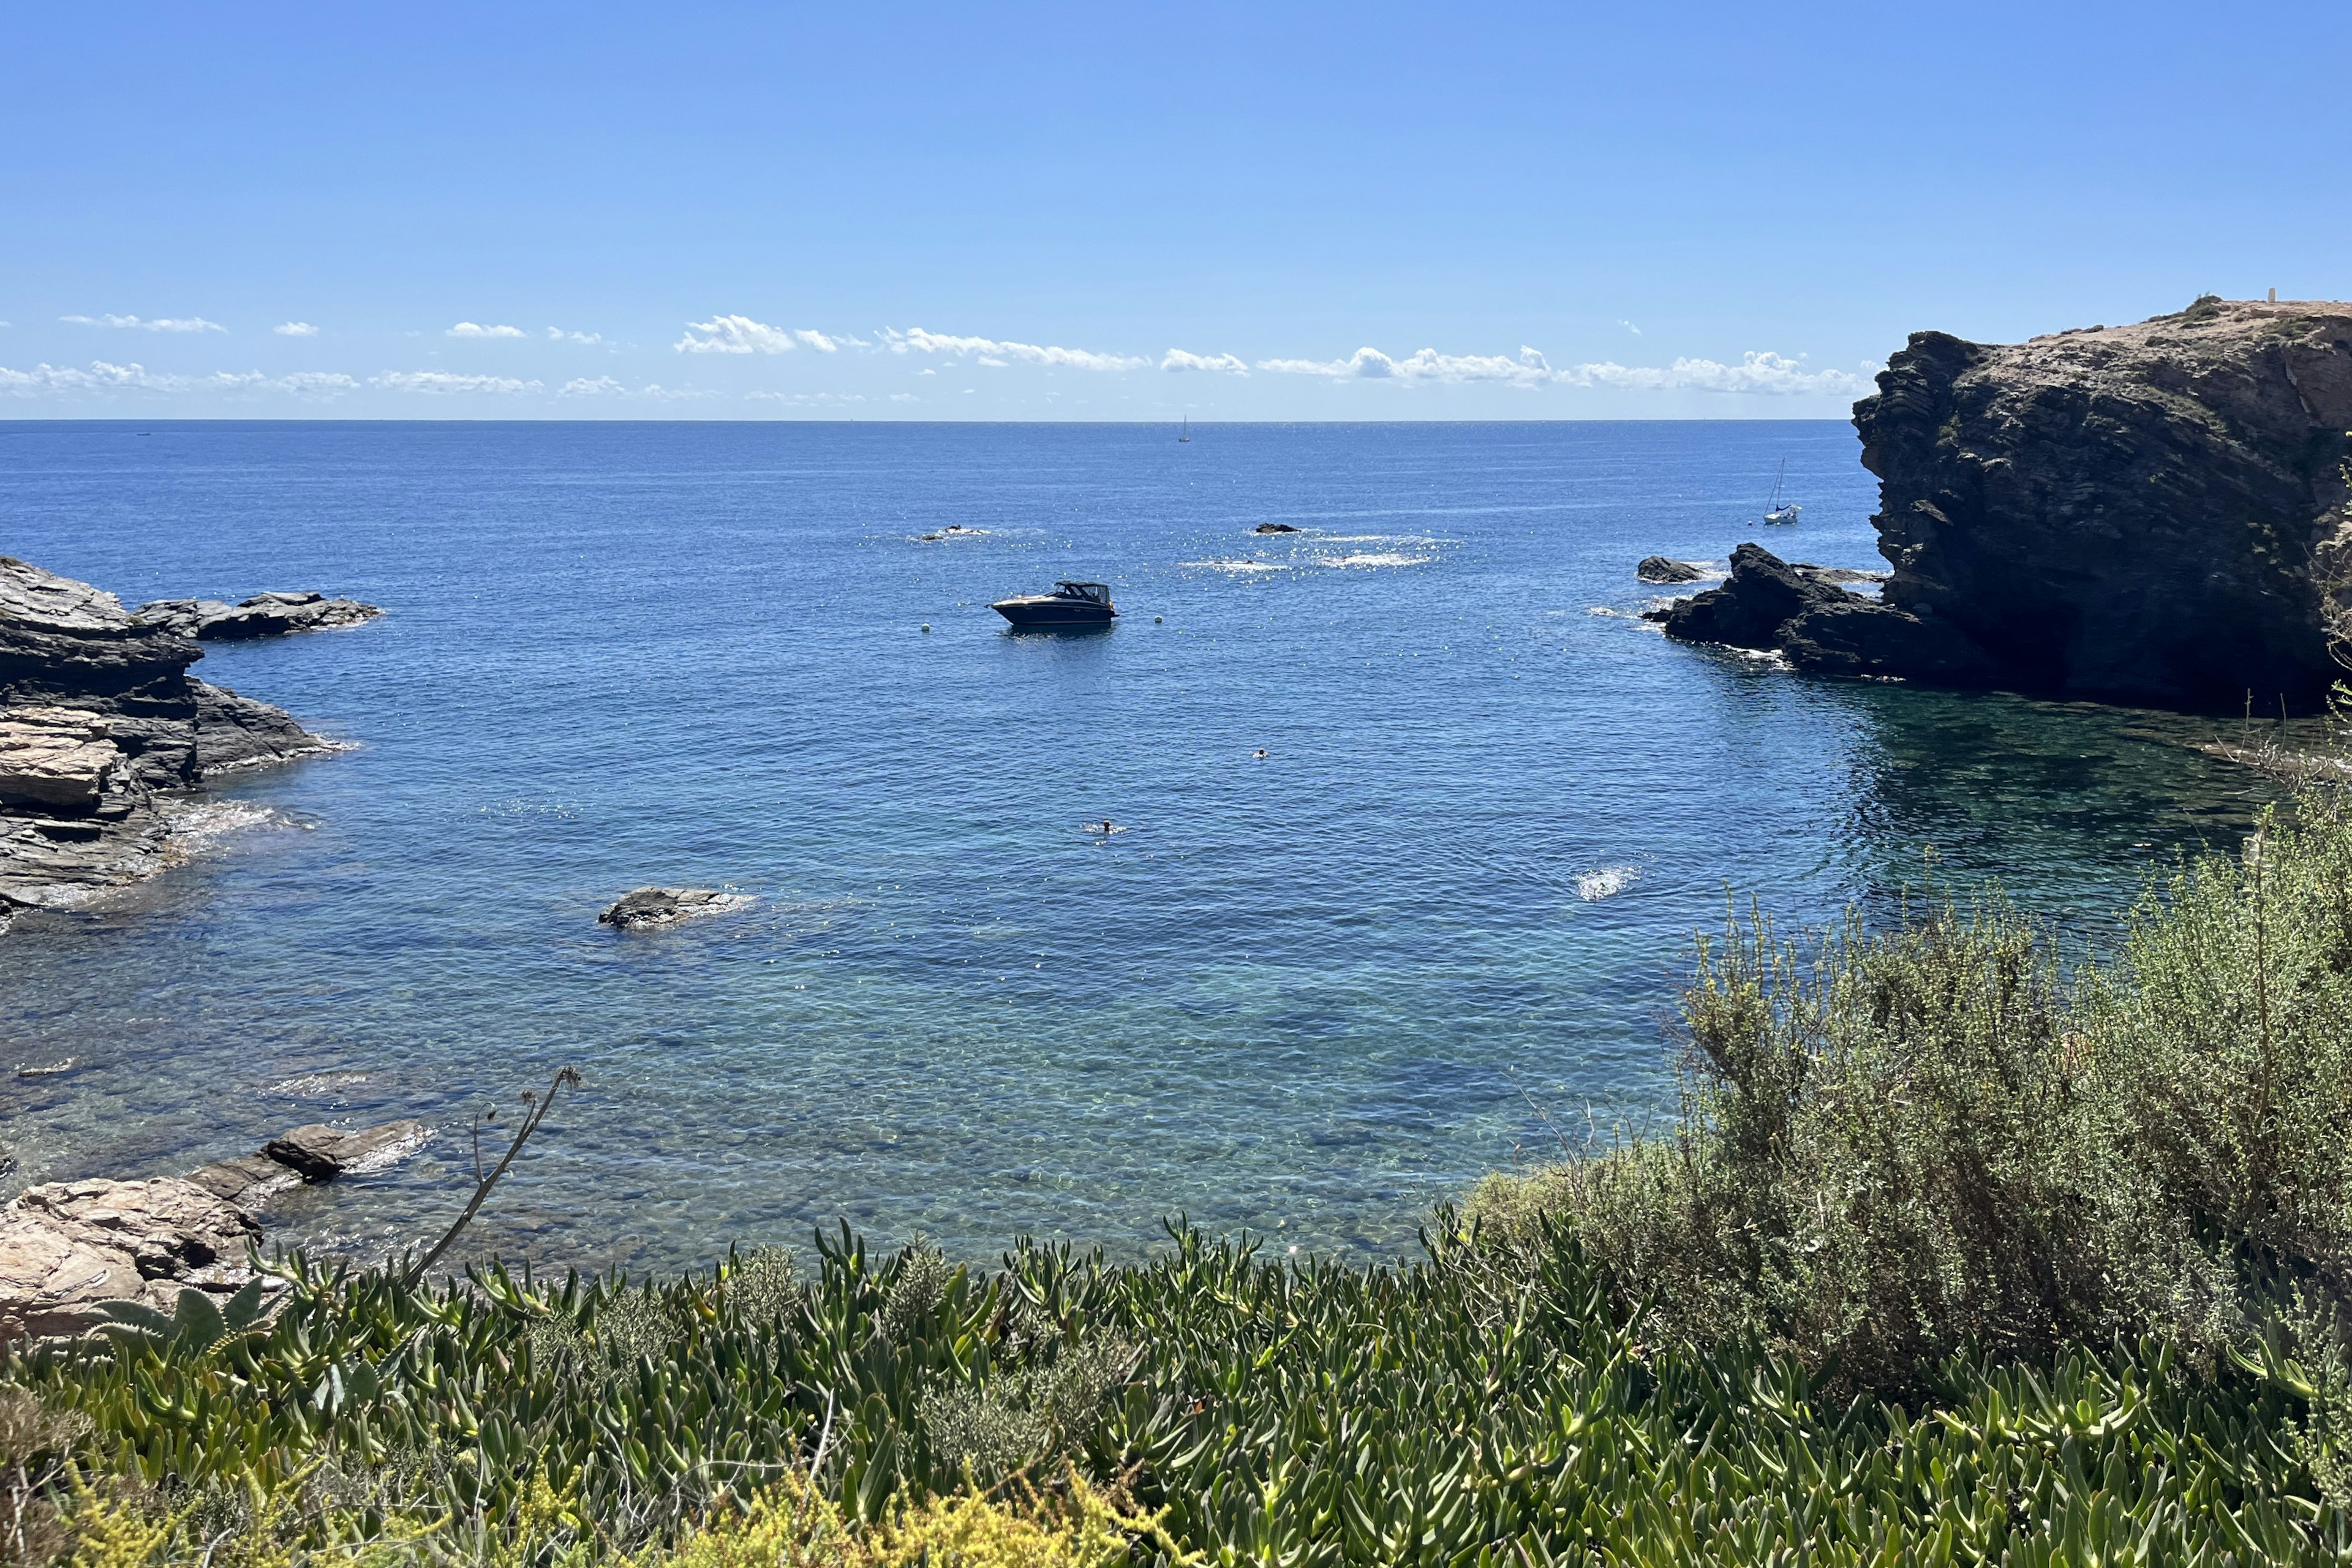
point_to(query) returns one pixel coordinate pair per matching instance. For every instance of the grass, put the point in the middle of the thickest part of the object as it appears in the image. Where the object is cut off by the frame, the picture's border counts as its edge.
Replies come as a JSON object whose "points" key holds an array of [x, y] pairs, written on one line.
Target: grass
{"points": [[1958, 1253]]}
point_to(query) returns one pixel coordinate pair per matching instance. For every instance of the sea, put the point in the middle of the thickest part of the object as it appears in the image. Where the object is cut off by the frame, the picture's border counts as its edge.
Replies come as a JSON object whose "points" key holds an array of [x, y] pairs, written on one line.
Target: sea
{"points": [[1414, 820]]}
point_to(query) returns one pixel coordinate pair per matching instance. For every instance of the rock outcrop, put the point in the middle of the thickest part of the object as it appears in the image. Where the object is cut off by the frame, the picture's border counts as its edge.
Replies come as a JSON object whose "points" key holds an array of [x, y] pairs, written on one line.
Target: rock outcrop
{"points": [[2153, 514], [68, 1247], [262, 616], [646, 907], [1274, 528], [1665, 569], [99, 721], [320, 1152]]}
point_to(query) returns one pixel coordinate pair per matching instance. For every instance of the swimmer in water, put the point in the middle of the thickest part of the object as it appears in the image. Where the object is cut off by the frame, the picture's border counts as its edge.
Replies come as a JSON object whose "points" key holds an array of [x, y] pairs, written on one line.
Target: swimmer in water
{"points": [[1259, 753], [1107, 827]]}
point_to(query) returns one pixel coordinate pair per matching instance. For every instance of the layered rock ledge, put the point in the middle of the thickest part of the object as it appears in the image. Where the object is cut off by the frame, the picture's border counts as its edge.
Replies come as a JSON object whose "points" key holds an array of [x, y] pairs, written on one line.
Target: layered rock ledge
{"points": [[100, 726], [2154, 513], [68, 1247], [262, 616]]}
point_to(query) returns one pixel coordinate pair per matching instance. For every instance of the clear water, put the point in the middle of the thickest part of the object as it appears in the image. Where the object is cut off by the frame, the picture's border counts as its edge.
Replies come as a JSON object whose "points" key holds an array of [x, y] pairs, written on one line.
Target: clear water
{"points": [[1309, 994]]}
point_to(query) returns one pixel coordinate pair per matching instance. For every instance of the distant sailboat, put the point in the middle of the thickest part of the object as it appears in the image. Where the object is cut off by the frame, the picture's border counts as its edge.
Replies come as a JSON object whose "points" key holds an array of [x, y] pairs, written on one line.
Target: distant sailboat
{"points": [[1777, 510], [1184, 432]]}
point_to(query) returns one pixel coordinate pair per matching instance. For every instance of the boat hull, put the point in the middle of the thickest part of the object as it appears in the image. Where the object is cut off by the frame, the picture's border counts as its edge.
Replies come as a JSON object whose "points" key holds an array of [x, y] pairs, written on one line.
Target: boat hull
{"points": [[1048, 612]]}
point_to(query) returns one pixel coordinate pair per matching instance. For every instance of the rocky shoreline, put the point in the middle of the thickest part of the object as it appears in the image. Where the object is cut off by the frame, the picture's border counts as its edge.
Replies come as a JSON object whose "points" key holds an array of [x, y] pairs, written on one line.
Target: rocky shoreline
{"points": [[2156, 514], [67, 1248], [103, 731]]}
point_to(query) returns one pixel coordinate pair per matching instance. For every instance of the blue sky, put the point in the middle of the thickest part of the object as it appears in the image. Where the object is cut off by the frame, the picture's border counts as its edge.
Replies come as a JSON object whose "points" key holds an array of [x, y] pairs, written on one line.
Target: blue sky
{"points": [[1126, 211]]}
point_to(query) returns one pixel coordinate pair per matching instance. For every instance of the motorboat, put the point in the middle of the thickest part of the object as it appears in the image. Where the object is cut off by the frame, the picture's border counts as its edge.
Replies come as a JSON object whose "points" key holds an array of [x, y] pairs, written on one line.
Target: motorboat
{"points": [[1069, 604]]}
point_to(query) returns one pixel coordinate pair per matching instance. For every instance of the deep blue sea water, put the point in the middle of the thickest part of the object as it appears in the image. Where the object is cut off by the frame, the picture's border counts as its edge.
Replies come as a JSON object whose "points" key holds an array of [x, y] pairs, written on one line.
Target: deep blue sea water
{"points": [[1310, 994]]}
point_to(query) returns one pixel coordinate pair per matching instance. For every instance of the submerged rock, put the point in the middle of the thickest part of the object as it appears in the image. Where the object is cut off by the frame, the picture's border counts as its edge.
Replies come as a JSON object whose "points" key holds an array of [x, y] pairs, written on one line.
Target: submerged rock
{"points": [[98, 717], [263, 615], [648, 907], [1274, 528], [1661, 569]]}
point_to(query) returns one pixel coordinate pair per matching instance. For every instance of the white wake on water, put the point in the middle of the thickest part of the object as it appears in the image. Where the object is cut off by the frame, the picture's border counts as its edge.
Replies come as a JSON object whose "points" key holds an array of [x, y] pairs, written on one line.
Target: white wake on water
{"points": [[1607, 883]]}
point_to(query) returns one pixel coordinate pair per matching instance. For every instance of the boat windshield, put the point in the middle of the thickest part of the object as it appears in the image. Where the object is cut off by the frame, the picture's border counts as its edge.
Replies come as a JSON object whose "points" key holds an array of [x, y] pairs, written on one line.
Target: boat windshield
{"points": [[1095, 591]]}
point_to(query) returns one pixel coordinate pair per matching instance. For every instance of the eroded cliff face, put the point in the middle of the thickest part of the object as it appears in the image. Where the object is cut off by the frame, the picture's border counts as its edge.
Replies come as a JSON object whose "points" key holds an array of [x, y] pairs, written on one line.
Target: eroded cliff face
{"points": [[2153, 514], [99, 725]]}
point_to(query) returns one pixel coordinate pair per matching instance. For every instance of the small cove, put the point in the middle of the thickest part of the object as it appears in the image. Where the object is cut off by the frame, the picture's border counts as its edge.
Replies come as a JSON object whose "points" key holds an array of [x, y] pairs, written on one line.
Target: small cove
{"points": [[1299, 993]]}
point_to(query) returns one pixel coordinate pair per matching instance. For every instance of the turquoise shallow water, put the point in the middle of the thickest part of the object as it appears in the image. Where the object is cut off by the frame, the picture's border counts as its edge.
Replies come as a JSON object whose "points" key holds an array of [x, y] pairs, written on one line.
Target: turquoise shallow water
{"points": [[1301, 993]]}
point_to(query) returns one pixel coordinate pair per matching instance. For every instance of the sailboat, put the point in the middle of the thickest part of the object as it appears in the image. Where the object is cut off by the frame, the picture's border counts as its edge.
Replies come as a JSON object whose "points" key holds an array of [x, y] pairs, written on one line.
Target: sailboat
{"points": [[1777, 510], [1184, 432]]}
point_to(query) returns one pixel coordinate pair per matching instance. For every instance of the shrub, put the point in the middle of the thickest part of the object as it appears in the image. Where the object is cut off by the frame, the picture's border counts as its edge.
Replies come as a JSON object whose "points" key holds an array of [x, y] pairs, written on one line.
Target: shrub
{"points": [[1934, 1140]]}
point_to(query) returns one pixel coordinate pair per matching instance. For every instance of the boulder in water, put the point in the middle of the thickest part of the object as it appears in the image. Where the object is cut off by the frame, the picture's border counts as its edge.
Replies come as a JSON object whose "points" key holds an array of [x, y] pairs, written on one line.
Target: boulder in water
{"points": [[1662, 569], [650, 907], [321, 1154]]}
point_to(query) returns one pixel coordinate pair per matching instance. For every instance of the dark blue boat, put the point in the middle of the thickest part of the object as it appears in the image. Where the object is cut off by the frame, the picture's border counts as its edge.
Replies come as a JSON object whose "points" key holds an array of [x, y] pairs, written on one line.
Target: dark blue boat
{"points": [[1069, 604]]}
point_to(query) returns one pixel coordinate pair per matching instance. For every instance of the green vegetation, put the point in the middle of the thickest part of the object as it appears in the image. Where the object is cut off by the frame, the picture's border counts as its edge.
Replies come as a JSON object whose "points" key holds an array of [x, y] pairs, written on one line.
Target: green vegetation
{"points": [[1958, 1254]]}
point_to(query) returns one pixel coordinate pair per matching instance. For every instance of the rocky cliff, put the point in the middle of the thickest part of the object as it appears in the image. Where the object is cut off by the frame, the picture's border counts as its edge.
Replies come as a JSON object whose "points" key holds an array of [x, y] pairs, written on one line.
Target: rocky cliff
{"points": [[100, 724], [2153, 514]]}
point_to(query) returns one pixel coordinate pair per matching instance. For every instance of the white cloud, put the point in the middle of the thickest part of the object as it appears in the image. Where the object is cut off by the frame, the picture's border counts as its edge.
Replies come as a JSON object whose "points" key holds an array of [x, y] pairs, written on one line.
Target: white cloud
{"points": [[904, 397], [605, 386], [102, 378], [1177, 358], [1765, 375], [296, 329], [915, 340], [1428, 364], [442, 383], [474, 329], [742, 335], [814, 399], [159, 324], [558, 335], [1770, 374], [1631, 328], [318, 383]]}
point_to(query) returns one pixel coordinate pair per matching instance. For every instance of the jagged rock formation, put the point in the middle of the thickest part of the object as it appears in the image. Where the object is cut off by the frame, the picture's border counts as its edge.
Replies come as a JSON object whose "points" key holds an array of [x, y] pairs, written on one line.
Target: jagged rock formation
{"points": [[1805, 613], [1666, 569], [2153, 514], [99, 722], [263, 615]]}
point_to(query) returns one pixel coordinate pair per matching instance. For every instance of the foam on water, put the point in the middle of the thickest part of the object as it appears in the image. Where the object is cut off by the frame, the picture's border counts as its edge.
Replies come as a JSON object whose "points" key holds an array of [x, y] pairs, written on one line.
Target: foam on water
{"points": [[1607, 883], [1375, 558]]}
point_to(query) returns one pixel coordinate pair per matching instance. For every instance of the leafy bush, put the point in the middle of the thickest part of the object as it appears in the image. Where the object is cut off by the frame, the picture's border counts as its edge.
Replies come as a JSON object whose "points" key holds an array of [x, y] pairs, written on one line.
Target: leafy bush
{"points": [[1935, 1140]]}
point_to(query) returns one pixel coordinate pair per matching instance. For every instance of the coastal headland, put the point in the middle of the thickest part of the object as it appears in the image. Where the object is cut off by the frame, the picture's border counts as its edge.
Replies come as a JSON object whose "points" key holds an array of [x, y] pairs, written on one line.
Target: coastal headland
{"points": [[102, 730], [2153, 514]]}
